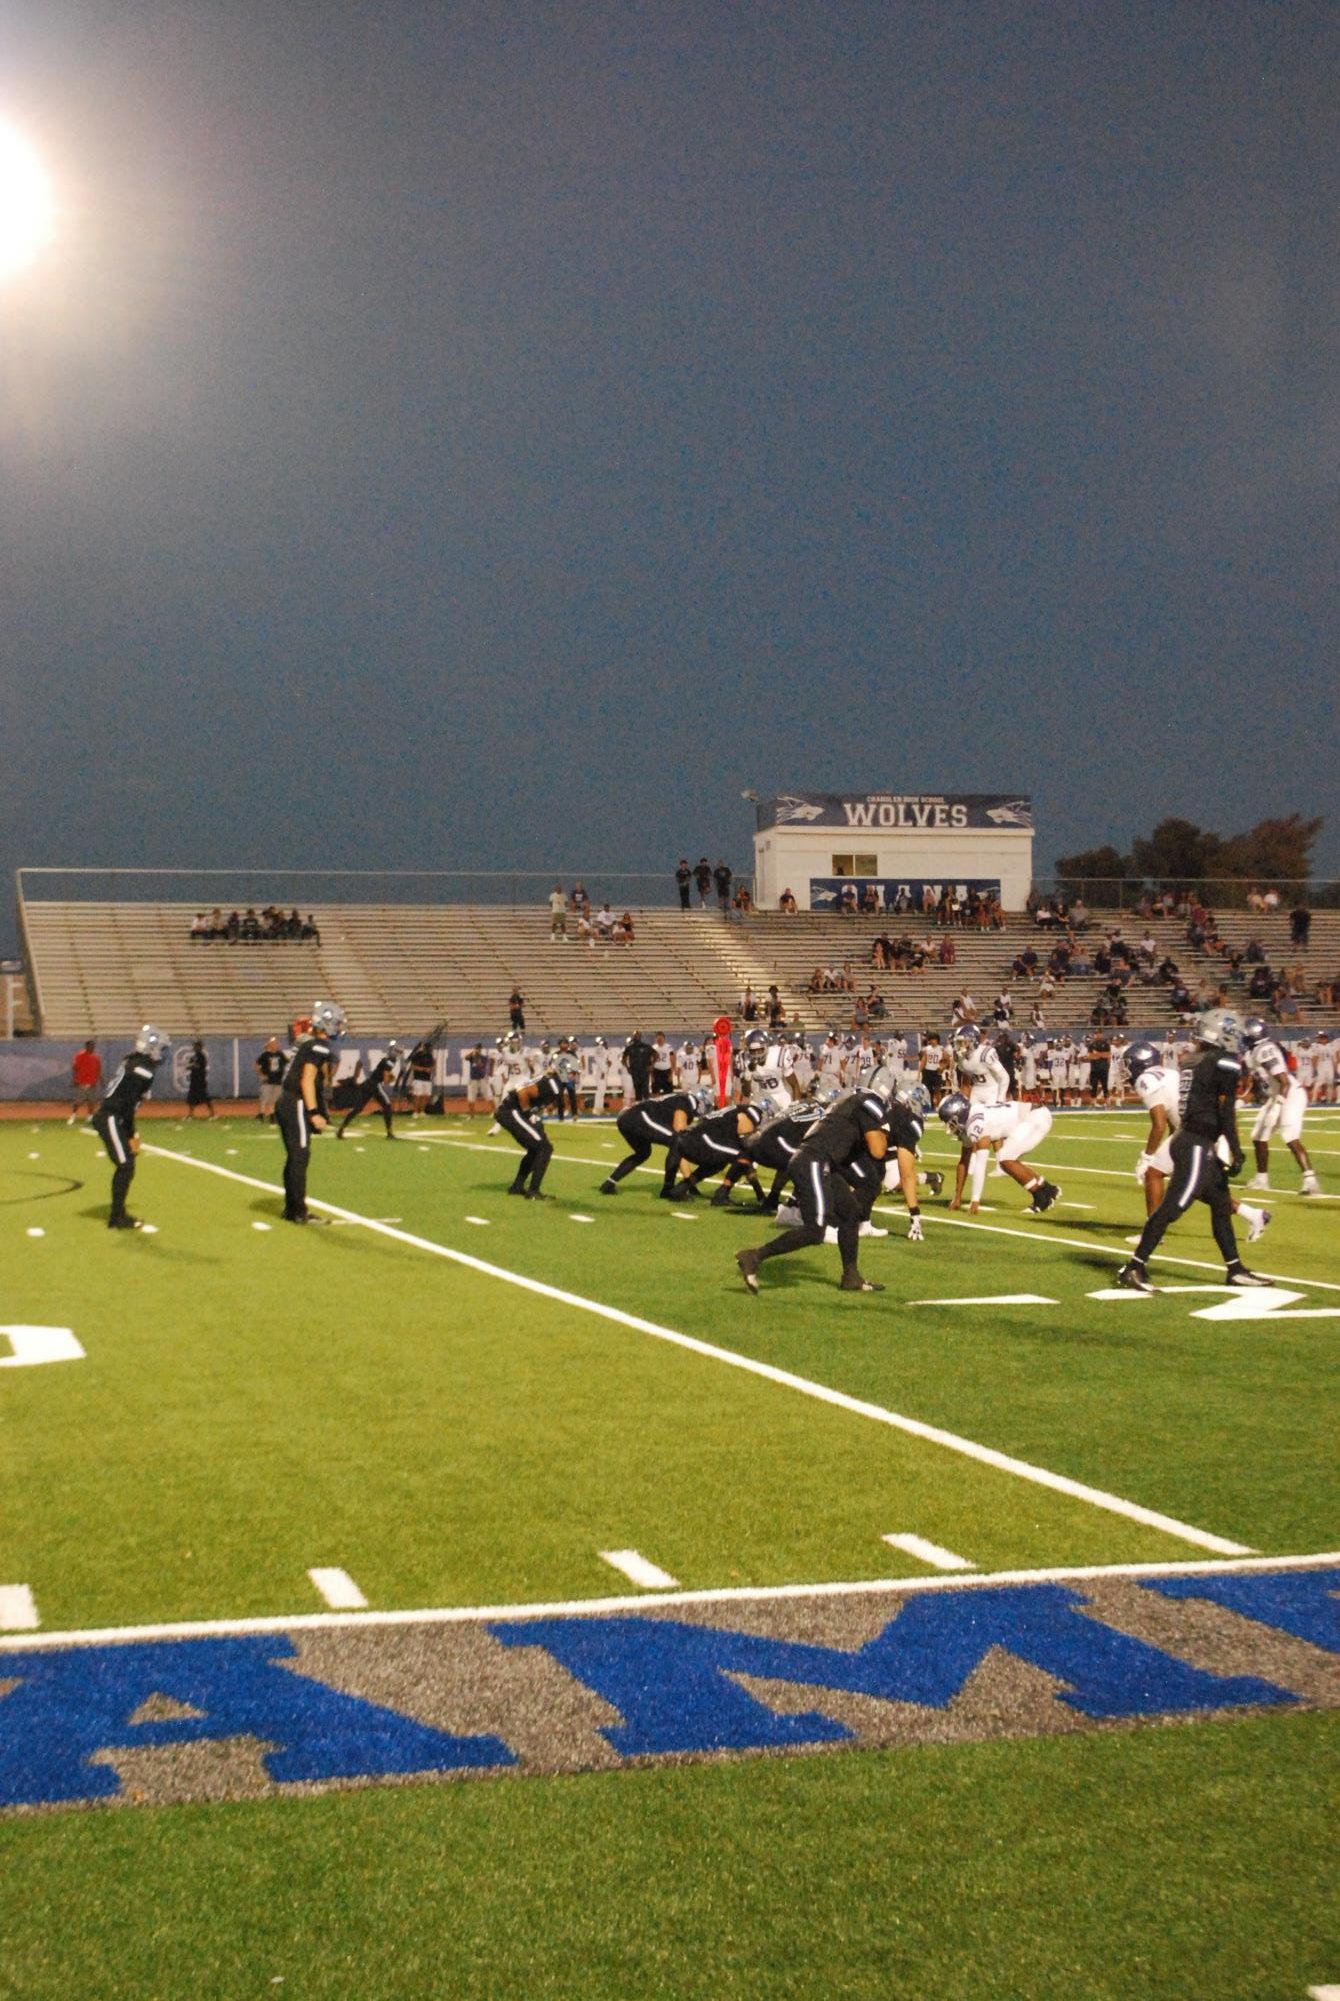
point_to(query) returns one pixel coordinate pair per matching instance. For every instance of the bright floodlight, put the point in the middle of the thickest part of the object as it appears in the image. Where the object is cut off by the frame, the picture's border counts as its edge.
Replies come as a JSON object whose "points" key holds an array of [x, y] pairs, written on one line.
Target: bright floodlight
{"points": [[26, 204]]}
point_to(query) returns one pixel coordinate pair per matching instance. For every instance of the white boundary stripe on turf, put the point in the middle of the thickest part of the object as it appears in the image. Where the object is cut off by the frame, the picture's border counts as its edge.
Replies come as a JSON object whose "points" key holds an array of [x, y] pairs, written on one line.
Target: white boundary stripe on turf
{"points": [[570, 1608], [18, 1609], [928, 1552], [985, 1455]]}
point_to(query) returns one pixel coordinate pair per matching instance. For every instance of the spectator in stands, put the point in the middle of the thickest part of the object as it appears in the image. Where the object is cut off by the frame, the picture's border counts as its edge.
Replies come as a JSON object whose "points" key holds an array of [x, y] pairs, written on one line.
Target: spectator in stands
{"points": [[1256, 901], [270, 1071], [197, 1082], [1255, 954], [516, 1010], [742, 903], [86, 1079], [1261, 986], [1079, 915], [870, 899], [702, 875], [558, 915], [786, 903], [1300, 926], [964, 1009], [1044, 916], [200, 925], [1271, 901], [721, 876], [776, 1011], [684, 882], [624, 929], [874, 1005], [580, 900], [748, 1008], [947, 951], [604, 922], [847, 902]]}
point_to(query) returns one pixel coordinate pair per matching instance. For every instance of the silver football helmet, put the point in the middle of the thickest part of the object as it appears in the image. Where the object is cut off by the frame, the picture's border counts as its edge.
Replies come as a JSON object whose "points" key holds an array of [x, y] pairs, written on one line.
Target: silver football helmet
{"points": [[328, 1018], [153, 1043], [1220, 1028]]}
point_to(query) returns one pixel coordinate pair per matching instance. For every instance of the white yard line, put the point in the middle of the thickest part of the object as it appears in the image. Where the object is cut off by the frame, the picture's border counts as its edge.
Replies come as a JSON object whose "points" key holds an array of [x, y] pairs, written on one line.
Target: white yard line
{"points": [[565, 1608], [338, 1589], [927, 1552], [639, 1569], [985, 1455]]}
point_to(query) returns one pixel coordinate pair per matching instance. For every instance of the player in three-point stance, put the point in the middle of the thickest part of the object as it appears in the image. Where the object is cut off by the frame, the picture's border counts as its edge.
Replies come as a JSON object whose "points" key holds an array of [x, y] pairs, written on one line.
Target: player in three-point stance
{"points": [[650, 1122], [520, 1115], [1158, 1087], [775, 1145], [114, 1120], [374, 1089], [1204, 1151], [856, 1129], [1282, 1112], [1015, 1129], [301, 1109], [712, 1144]]}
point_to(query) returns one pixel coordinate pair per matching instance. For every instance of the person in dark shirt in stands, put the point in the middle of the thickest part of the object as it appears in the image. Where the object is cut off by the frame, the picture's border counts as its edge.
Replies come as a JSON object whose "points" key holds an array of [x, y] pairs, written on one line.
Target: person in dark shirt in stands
{"points": [[301, 1110], [856, 1129], [114, 1120]]}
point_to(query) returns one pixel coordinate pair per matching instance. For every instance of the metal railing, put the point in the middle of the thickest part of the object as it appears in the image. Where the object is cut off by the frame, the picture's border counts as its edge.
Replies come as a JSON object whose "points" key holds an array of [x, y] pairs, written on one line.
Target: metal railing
{"points": [[1127, 893]]}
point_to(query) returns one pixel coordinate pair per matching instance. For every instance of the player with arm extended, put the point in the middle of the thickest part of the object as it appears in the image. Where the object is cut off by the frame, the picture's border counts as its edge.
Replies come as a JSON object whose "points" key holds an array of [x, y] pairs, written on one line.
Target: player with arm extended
{"points": [[301, 1110], [374, 1089], [1208, 1131], [1159, 1090], [909, 1110], [857, 1127], [1282, 1112], [712, 1145], [1013, 1128], [114, 1120], [650, 1122]]}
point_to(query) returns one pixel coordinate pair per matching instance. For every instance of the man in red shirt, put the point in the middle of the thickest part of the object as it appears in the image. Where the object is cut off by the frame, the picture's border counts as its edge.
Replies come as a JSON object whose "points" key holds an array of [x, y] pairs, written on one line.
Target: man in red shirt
{"points": [[86, 1077]]}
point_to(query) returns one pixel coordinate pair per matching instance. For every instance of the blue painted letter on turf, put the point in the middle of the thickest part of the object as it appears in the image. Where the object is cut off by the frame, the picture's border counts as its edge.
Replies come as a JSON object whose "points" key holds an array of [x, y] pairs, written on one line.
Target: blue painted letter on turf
{"points": [[72, 1703], [674, 1683], [1302, 1602]]}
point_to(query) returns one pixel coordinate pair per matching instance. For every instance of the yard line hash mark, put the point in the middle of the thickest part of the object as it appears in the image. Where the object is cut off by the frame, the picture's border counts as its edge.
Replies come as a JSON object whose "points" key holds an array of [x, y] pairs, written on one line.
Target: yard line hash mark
{"points": [[18, 1609], [968, 1448], [638, 1569], [338, 1589], [928, 1552]]}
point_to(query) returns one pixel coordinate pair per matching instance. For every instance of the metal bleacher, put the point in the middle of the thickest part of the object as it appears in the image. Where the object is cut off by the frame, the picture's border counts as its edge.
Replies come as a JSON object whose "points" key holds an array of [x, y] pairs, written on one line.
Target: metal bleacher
{"points": [[103, 968]]}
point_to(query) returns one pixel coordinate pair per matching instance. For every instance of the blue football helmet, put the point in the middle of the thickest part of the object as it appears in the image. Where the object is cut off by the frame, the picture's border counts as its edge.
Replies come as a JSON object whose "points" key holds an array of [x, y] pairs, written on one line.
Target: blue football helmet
{"points": [[953, 1111], [1254, 1030], [1141, 1056]]}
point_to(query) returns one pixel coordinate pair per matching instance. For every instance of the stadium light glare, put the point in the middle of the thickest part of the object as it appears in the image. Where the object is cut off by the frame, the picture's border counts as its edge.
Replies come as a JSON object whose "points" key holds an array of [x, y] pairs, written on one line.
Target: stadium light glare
{"points": [[27, 202]]}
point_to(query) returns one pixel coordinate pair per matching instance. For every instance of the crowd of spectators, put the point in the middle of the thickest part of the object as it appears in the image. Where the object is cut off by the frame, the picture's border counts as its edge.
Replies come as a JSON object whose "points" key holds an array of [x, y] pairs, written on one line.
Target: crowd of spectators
{"points": [[271, 926]]}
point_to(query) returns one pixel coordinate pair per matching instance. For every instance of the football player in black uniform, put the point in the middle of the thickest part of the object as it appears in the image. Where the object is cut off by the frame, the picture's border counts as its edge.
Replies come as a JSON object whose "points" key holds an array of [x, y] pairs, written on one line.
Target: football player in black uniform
{"points": [[114, 1120], [301, 1110], [775, 1145], [518, 1114], [374, 1089], [1209, 1118], [652, 1122], [856, 1129], [711, 1144]]}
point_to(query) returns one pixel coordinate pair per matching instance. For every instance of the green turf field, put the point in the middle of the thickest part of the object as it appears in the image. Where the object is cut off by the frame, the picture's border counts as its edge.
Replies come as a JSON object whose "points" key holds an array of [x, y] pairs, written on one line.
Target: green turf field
{"points": [[588, 1375]]}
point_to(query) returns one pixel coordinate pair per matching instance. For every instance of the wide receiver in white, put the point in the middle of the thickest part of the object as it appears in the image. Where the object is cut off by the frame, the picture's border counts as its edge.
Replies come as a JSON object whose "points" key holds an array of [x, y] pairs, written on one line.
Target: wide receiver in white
{"points": [[1282, 1112], [1158, 1087], [986, 1081], [1015, 1129]]}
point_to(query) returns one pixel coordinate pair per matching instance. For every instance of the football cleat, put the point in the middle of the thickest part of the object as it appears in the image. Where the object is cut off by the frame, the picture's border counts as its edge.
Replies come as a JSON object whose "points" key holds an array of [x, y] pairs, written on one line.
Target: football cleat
{"points": [[748, 1266], [1243, 1277], [721, 1199], [608, 1188], [1133, 1278], [1044, 1197], [853, 1282], [935, 1181], [124, 1222], [869, 1229]]}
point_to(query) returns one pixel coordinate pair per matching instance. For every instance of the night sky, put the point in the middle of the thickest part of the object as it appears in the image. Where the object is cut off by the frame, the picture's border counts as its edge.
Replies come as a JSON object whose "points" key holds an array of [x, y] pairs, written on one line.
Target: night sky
{"points": [[495, 435]]}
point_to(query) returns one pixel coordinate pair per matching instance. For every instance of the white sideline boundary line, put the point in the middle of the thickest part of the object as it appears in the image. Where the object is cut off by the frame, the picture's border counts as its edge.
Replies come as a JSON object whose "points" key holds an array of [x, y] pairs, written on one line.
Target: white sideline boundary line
{"points": [[927, 1215], [968, 1448], [571, 1608]]}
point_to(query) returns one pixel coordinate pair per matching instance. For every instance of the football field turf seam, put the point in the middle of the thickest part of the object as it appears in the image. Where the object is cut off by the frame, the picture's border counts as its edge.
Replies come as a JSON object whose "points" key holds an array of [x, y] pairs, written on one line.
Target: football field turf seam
{"points": [[733, 1594], [933, 1434]]}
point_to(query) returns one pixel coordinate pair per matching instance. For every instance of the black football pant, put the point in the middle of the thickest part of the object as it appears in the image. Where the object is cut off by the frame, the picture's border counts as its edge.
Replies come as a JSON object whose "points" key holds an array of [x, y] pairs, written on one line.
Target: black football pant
{"points": [[823, 1198], [292, 1118], [537, 1148], [1197, 1176], [637, 1132], [380, 1096], [709, 1157], [116, 1138]]}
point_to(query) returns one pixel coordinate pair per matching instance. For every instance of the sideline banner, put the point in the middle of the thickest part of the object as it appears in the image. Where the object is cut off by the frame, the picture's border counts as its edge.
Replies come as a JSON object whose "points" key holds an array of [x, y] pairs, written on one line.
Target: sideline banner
{"points": [[897, 897]]}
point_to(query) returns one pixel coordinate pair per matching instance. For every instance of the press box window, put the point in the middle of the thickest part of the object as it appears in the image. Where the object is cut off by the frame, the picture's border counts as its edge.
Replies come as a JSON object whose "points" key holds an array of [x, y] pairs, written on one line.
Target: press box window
{"points": [[855, 865]]}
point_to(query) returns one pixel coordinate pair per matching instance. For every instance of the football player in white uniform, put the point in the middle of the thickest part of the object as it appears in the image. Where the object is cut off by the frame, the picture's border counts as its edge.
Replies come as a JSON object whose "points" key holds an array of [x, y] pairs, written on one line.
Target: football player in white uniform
{"points": [[595, 1062], [1159, 1090], [1015, 1130], [1323, 1066], [1282, 1112], [983, 1077]]}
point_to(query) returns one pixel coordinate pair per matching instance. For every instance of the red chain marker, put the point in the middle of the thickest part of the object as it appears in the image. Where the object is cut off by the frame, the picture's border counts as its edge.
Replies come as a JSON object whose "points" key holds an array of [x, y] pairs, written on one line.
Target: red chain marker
{"points": [[725, 1050]]}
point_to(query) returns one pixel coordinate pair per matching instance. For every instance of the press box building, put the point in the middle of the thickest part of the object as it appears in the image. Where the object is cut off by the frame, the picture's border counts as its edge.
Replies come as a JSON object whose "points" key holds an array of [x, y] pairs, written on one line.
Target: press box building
{"points": [[817, 843]]}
